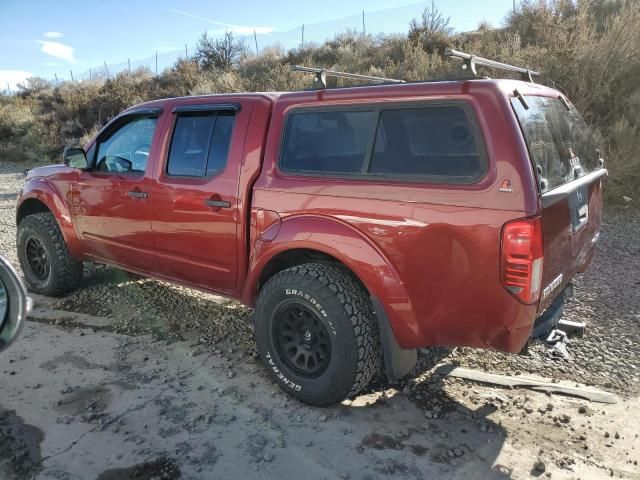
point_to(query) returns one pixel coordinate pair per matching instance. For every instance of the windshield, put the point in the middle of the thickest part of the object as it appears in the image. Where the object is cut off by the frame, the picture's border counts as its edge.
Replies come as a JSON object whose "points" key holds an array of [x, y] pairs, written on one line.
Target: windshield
{"points": [[561, 146]]}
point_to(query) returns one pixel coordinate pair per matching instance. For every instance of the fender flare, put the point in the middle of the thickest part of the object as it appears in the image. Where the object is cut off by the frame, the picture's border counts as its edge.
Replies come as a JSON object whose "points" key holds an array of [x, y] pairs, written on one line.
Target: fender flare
{"points": [[358, 253], [40, 189]]}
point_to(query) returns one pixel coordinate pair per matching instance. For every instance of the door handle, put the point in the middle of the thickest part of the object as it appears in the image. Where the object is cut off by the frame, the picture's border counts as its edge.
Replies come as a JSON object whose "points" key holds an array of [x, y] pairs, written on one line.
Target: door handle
{"points": [[138, 194], [217, 203]]}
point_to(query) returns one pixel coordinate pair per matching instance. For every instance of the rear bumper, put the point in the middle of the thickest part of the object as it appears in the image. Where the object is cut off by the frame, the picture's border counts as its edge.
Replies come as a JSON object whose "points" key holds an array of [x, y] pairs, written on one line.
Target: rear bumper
{"points": [[549, 319]]}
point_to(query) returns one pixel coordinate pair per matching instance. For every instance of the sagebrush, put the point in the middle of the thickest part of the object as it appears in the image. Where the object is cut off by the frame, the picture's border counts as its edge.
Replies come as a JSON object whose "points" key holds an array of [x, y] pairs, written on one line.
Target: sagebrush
{"points": [[589, 49]]}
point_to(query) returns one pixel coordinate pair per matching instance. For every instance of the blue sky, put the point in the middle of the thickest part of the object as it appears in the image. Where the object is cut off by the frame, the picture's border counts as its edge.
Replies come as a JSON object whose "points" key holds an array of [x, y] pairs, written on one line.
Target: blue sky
{"points": [[44, 38]]}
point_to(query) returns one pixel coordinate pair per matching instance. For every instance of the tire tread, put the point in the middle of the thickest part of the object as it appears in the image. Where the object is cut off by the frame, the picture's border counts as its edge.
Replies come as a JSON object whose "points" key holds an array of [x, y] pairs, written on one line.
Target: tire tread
{"points": [[69, 270], [358, 308]]}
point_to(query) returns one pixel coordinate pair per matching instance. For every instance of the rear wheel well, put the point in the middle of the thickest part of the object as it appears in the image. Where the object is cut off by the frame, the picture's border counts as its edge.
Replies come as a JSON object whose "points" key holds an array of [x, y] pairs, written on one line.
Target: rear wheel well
{"points": [[30, 206], [398, 362], [299, 256]]}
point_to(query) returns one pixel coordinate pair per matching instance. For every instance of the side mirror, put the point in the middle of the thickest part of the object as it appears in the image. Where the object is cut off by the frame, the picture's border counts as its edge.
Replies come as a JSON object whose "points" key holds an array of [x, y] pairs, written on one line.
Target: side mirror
{"points": [[14, 304], [75, 158]]}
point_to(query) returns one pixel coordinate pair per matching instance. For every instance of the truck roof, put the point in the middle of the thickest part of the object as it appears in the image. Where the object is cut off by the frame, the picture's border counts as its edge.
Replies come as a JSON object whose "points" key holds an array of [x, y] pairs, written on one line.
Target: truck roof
{"points": [[369, 90]]}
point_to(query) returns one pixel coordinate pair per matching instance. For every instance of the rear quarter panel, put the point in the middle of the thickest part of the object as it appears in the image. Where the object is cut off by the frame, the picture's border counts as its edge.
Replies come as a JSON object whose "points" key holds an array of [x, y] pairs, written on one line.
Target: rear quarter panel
{"points": [[441, 241]]}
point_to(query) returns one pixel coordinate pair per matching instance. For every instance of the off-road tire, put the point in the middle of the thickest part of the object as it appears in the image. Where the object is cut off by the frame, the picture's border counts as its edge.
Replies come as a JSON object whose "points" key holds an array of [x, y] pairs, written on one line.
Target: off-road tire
{"points": [[65, 271], [345, 310]]}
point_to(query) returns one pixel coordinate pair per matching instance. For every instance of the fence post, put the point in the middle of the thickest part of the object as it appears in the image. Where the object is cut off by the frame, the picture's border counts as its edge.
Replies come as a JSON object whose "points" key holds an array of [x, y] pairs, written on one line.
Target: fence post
{"points": [[129, 65], [255, 37]]}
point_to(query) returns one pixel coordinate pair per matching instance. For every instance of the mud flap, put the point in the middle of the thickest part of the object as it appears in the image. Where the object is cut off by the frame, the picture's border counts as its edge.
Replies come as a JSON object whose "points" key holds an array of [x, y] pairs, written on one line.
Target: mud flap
{"points": [[398, 361]]}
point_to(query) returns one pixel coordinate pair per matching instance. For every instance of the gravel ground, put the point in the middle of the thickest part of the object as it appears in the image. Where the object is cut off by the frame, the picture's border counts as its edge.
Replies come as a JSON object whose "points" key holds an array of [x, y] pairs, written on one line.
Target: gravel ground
{"points": [[11, 180], [144, 339]]}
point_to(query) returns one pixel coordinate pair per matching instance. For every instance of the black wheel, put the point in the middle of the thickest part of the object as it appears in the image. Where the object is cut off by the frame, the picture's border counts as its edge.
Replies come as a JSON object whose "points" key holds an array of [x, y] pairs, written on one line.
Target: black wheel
{"points": [[301, 339], [48, 268], [316, 333]]}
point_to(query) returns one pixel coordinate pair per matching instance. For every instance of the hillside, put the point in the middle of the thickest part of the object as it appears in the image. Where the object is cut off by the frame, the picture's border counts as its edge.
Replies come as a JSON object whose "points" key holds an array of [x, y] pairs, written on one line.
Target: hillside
{"points": [[590, 50]]}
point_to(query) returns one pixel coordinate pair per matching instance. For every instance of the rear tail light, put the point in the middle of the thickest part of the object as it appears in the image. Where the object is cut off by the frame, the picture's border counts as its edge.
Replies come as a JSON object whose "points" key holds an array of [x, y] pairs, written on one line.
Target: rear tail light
{"points": [[521, 259]]}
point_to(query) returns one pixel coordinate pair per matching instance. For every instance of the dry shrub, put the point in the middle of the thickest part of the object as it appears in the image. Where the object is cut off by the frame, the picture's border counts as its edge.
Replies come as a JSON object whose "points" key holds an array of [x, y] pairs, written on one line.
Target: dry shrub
{"points": [[590, 49], [218, 82], [18, 132]]}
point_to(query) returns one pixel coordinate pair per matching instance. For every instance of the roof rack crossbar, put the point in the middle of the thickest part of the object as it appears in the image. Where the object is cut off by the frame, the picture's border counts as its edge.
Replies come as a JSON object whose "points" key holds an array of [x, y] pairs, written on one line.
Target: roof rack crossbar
{"points": [[470, 62], [320, 80]]}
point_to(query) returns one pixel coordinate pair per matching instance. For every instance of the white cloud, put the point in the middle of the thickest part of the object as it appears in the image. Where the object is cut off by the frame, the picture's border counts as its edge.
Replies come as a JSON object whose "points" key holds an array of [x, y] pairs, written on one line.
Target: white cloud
{"points": [[52, 35], [229, 27], [13, 78], [58, 50]]}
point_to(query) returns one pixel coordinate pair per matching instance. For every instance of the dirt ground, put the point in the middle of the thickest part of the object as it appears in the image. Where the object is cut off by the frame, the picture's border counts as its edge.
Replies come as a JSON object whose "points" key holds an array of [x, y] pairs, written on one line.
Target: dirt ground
{"points": [[130, 378]]}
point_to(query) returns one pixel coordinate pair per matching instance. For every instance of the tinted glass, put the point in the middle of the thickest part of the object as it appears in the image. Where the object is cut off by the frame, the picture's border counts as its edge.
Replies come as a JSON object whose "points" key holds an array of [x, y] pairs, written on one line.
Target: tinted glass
{"points": [[410, 143], [200, 144], [329, 141], [190, 144], [220, 143], [561, 145], [126, 149], [91, 153], [432, 141]]}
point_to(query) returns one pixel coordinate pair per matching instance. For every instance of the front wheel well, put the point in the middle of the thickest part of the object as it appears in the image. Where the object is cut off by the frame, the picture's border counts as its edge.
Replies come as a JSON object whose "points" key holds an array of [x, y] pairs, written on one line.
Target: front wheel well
{"points": [[30, 206], [299, 256]]}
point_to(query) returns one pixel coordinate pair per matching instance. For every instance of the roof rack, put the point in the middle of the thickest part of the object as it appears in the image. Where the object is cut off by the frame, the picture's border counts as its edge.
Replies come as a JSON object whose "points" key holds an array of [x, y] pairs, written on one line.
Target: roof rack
{"points": [[470, 62], [320, 79]]}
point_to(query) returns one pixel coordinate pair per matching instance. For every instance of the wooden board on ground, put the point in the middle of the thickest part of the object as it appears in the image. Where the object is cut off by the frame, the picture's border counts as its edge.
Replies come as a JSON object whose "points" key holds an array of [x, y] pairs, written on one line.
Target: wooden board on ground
{"points": [[589, 393]]}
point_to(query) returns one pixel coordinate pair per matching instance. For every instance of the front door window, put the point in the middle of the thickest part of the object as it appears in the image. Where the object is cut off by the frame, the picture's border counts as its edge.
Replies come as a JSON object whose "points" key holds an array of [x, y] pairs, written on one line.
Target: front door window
{"points": [[126, 149]]}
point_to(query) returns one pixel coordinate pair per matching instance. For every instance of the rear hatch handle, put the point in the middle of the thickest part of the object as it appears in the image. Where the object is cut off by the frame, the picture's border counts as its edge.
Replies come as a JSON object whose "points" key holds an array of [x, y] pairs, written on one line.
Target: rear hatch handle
{"points": [[557, 194]]}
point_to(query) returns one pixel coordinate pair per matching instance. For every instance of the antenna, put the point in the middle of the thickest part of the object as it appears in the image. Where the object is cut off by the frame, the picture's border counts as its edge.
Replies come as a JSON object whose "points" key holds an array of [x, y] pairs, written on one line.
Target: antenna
{"points": [[320, 80], [470, 62]]}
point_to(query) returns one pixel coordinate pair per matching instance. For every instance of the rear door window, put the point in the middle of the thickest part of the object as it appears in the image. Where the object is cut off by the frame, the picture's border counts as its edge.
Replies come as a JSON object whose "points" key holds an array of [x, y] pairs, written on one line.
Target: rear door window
{"points": [[434, 143], [561, 146], [200, 143], [219, 149]]}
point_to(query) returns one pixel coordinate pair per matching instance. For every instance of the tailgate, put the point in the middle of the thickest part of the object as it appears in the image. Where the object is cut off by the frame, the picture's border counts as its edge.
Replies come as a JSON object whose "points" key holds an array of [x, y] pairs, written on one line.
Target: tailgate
{"points": [[570, 228], [569, 172]]}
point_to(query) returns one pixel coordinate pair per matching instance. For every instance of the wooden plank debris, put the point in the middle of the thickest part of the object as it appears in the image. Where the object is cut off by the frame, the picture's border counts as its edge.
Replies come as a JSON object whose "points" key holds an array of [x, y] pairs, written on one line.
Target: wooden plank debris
{"points": [[589, 393]]}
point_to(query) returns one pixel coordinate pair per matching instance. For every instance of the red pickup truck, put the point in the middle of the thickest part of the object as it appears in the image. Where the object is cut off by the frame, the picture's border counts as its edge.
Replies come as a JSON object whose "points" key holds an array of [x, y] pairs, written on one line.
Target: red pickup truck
{"points": [[362, 223]]}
